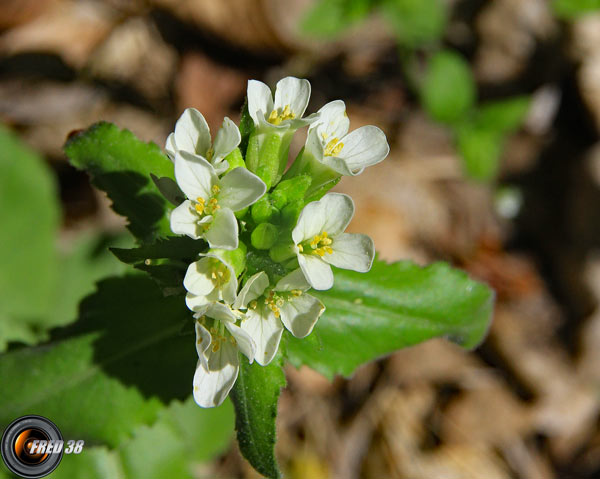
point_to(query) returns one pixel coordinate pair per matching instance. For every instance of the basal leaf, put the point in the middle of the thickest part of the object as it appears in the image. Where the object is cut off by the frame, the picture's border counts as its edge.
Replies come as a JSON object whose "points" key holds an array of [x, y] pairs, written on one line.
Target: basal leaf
{"points": [[183, 436], [111, 371], [121, 165], [393, 306], [254, 397]]}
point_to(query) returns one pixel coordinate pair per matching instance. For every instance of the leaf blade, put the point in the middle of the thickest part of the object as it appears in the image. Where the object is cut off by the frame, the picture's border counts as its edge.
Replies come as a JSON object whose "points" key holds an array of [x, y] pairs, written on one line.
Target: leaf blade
{"points": [[121, 165], [393, 306], [254, 397]]}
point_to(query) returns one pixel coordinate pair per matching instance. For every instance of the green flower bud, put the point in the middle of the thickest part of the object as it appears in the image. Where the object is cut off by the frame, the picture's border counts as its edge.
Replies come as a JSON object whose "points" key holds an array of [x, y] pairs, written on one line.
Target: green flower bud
{"points": [[282, 252], [264, 236], [263, 211], [235, 160], [290, 190]]}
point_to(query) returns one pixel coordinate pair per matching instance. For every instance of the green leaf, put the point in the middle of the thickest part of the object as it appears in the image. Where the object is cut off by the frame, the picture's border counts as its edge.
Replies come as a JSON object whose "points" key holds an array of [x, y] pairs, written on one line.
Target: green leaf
{"points": [[109, 372], [448, 90], [503, 116], [254, 397], [393, 306], [29, 214], [174, 247], [480, 149], [329, 18], [571, 9], [121, 165], [416, 22], [183, 436]]}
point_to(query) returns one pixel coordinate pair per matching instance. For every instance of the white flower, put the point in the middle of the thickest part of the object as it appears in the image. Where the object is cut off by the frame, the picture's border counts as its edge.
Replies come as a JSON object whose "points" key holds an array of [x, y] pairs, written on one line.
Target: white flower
{"points": [[291, 99], [218, 340], [208, 213], [208, 280], [267, 308], [320, 240], [192, 135], [329, 143]]}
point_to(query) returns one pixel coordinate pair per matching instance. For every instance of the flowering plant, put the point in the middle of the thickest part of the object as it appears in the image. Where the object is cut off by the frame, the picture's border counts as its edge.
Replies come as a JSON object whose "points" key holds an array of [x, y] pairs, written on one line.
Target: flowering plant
{"points": [[247, 266]]}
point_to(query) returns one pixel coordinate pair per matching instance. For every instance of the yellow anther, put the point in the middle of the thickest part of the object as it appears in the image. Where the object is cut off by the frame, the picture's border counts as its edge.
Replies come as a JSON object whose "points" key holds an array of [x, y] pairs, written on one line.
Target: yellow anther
{"points": [[199, 206], [296, 292], [216, 347], [200, 200], [320, 251], [324, 135], [253, 304], [333, 147], [328, 249], [326, 241], [209, 154], [215, 189], [324, 234], [275, 118], [300, 248], [213, 275]]}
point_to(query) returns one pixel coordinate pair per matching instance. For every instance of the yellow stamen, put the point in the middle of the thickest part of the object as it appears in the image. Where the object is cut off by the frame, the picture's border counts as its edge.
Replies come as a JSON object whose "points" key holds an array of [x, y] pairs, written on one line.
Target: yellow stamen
{"points": [[333, 147], [275, 118], [216, 189], [209, 154], [300, 248]]}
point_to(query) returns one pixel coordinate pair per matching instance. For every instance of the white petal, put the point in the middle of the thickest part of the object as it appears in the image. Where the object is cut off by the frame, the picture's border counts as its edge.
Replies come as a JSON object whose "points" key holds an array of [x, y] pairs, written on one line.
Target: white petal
{"points": [[198, 279], [170, 146], [316, 271], [220, 312], [252, 289], [293, 280], [266, 330], [244, 341], [314, 144], [212, 384], [339, 165], [198, 302], [192, 133], [300, 314], [331, 214], [352, 251], [184, 221], [260, 100], [223, 231], [227, 139], [365, 146], [333, 121], [203, 341], [240, 188], [294, 92], [195, 176]]}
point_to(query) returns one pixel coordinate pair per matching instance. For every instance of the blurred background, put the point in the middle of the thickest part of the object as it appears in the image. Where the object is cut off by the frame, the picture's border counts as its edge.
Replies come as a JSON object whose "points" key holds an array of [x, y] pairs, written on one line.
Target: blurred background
{"points": [[492, 111]]}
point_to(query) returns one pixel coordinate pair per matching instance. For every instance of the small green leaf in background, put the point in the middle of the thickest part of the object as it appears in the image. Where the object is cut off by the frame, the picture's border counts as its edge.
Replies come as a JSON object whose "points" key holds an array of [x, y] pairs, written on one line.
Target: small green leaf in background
{"points": [[254, 397], [481, 138], [120, 165], [571, 9], [415, 22], [30, 215], [448, 90], [503, 116], [393, 306], [114, 369], [182, 437], [40, 286], [480, 149], [330, 17]]}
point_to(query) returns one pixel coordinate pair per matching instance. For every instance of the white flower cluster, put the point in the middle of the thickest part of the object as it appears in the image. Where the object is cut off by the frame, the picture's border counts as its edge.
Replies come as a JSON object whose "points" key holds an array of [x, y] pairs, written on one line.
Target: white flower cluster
{"points": [[294, 229]]}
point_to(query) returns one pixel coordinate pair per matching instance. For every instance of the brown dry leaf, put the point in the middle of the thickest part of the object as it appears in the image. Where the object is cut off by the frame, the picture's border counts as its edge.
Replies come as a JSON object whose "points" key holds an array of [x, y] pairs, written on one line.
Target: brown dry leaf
{"points": [[210, 87], [134, 53], [70, 29], [17, 12], [508, 31]]}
